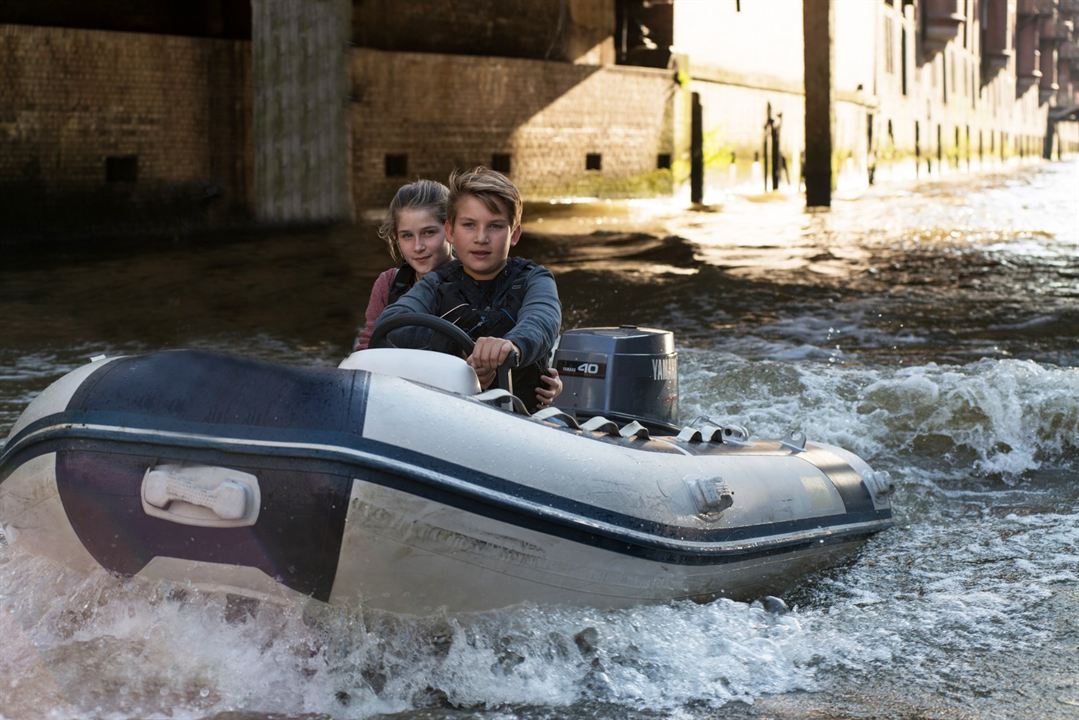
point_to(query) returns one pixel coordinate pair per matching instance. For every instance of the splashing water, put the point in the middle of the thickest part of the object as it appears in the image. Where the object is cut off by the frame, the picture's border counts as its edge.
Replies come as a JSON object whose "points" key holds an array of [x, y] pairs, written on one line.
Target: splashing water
{"points": [[992, 417]]}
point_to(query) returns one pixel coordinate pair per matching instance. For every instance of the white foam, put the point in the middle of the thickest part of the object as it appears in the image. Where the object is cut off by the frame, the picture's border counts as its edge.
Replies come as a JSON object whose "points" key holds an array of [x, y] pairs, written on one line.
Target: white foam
{"points": [[993, 416], [106, 647]]}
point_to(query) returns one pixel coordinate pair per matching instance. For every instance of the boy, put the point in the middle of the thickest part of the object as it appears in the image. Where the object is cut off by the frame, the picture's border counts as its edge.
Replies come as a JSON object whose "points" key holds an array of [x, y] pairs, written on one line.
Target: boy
{"points": [[505, 305]]}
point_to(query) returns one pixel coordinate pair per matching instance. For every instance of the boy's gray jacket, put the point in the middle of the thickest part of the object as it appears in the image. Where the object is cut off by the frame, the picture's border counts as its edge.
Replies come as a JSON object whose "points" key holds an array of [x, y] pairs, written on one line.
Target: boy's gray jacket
{"points": [[538, 321]]}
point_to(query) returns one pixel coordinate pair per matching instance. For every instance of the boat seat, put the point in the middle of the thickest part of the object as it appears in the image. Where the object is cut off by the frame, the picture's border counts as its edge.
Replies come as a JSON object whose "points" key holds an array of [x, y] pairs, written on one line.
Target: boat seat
{"points": [[446, 372]]}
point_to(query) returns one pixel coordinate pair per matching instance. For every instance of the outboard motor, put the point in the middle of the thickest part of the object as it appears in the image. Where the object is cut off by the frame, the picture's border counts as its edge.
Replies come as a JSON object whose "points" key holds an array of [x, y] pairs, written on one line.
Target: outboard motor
{"points": [[626, 372]]}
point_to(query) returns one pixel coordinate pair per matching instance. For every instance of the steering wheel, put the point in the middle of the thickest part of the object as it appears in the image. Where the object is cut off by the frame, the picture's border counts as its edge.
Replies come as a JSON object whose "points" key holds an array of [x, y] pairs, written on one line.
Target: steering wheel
{"points": [[457, 337]]}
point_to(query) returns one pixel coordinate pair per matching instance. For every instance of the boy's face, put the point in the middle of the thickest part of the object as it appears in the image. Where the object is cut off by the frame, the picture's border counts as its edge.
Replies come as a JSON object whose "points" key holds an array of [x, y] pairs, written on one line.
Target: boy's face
{"points": [[482, 239]]}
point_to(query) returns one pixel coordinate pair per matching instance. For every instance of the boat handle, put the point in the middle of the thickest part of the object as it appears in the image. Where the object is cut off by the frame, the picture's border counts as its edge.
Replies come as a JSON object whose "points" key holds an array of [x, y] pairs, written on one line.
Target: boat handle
{"points": [[201, 495], [711, 495]]}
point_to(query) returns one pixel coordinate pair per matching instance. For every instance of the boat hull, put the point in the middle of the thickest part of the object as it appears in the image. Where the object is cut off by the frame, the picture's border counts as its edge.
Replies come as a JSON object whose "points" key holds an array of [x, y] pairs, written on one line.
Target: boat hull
{"points": [[391, 495], [406, 554]]}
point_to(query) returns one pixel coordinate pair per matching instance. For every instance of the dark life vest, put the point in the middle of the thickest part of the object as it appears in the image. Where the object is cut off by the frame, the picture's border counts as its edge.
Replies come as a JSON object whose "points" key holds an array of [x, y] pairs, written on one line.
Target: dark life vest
{"points": [[403, 280], [489, 308]]}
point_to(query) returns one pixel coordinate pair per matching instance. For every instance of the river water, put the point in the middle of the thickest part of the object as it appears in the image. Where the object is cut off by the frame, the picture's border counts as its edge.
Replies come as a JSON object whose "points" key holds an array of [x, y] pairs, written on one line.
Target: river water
{"points": [[933, 329]]}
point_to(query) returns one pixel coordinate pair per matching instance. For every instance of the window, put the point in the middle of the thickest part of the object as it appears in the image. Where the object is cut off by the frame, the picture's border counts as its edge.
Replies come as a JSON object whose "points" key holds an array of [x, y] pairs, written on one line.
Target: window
{"points": [[966, 22], [122, 169], [889, 46], [944, 77], [903, 57], [644, 32], [396, 165], [663, 161], [593, 161], [500, 162]]}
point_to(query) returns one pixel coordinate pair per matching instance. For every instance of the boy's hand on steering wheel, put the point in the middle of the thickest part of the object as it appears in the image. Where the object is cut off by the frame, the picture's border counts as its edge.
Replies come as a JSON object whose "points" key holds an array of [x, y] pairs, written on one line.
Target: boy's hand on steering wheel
{"points": [[488, 355]]}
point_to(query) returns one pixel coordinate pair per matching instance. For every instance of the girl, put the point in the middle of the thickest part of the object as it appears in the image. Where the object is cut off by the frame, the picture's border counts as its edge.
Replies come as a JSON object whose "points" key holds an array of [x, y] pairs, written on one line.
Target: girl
{"points": [[415, 233]]}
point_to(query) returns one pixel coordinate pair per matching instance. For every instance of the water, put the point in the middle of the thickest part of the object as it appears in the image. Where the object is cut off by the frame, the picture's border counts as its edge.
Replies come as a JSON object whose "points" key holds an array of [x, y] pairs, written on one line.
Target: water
{"points": [[932, 329]]}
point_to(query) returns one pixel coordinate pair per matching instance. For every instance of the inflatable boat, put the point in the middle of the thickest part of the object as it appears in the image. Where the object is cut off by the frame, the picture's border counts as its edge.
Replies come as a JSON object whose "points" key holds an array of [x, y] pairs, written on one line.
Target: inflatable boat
{"points": [[394, 483]]}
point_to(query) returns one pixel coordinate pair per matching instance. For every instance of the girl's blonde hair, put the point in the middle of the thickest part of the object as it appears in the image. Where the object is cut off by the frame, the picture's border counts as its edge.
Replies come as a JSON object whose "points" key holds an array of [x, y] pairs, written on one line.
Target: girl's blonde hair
{"points": [[428, 195]]}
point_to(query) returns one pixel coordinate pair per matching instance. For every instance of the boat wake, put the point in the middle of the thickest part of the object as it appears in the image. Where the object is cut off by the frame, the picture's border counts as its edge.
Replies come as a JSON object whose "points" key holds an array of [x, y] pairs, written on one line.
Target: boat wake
{"points": [[107, 647]]}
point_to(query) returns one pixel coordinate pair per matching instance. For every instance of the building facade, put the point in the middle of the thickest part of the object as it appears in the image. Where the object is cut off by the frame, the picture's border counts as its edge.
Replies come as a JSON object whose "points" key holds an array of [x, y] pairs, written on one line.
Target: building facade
{"points": [[919, 89], [296, 111]]}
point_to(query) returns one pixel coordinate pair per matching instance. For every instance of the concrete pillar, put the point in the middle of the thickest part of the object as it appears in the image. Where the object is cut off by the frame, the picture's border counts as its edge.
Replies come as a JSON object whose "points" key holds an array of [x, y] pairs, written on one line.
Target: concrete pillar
{"points": [[818, 30], [301, 80], [588, 31]]}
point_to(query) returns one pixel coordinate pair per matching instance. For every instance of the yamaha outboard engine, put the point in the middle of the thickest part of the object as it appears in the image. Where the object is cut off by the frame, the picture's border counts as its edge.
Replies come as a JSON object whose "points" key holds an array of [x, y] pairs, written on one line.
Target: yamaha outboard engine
{"points": [[626, 372]]}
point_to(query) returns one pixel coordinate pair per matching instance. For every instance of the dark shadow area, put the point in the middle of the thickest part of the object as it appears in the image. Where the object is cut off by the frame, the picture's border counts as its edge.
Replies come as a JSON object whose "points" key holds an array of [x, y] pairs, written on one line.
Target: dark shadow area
{"points": [[47, 219], [107, 135], [644, 32], [229, 19], [535, 29]]}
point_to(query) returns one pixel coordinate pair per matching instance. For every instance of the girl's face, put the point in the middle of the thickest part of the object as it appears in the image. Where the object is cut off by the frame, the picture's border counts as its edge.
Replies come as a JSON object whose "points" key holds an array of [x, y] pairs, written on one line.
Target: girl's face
{"points": [[421, 239]]}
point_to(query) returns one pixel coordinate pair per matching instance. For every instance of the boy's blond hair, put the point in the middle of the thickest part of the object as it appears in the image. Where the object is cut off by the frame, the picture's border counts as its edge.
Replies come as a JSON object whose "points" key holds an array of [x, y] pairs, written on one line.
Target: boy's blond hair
{"points": [[492, 188]]}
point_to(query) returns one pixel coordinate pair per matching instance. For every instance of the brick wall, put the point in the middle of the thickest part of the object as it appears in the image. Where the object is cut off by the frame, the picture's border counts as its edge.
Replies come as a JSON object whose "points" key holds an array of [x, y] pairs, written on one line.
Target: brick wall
{"points": [[440, 112], [172, 113]]}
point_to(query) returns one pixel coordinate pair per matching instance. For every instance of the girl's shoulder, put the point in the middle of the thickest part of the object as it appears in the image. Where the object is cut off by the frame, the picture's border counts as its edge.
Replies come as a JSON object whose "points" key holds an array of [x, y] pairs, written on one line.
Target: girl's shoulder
{"points": [[381, 287]]}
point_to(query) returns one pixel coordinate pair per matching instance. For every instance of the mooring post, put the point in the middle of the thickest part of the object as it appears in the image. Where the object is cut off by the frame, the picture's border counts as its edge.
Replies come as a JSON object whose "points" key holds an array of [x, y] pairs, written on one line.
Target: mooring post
{"points": [[777, 158], [696, 151], [818, 30], [1047, 142]]}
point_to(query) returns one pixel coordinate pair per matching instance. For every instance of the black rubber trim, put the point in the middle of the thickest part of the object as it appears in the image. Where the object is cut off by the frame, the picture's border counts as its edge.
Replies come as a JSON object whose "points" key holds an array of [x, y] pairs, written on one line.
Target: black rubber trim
{"points": [[195, 386], [296, 539], [847, 481]]}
